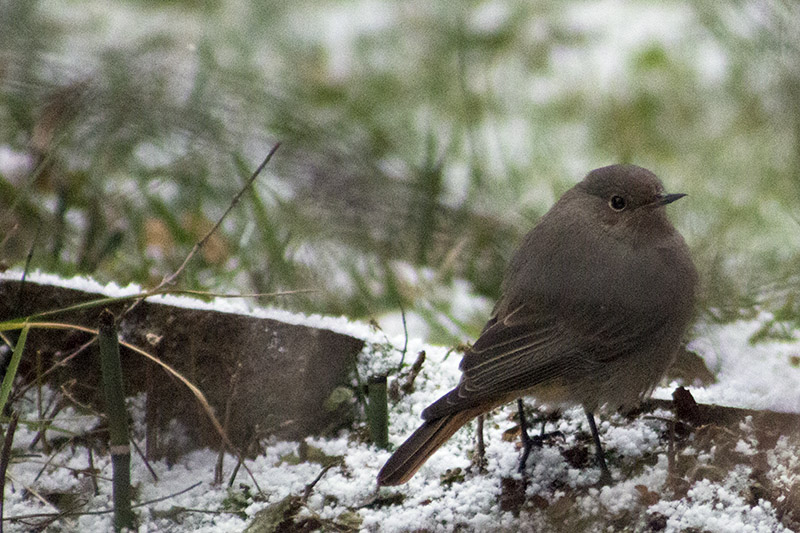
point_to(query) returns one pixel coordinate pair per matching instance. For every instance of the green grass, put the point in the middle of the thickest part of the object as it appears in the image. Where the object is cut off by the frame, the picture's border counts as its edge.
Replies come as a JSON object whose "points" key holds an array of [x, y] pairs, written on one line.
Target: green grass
{"points": [[431, 135]]}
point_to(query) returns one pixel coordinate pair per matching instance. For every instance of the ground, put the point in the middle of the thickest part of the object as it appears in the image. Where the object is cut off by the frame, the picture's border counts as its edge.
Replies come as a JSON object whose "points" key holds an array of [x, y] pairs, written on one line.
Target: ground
{"points": [[729, 474]]}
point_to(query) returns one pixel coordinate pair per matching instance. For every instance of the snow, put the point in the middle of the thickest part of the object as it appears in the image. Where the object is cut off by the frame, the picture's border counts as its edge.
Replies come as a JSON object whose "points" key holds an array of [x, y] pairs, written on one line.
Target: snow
{"points": [[426, 500], [756, 376], [15, 165], [221, 304], [339, 30], [711, 507]]}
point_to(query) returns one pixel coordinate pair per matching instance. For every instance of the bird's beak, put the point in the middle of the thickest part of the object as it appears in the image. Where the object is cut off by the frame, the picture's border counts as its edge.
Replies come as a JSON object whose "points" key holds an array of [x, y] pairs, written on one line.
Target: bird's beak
{"points": [[664, 199]]}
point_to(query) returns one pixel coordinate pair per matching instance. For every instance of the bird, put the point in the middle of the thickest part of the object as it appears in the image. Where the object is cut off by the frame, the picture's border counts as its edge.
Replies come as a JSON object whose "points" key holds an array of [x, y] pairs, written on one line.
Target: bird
{"points": [[593, 308]]}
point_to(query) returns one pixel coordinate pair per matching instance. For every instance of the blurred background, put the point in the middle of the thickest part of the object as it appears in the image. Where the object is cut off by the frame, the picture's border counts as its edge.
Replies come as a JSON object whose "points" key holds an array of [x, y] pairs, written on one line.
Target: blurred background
{"points": [[420, 141]]}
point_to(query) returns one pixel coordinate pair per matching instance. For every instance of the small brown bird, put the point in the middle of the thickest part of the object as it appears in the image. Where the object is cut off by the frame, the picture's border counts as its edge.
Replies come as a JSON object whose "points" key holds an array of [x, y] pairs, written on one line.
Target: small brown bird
{"points": [[595, 304]]}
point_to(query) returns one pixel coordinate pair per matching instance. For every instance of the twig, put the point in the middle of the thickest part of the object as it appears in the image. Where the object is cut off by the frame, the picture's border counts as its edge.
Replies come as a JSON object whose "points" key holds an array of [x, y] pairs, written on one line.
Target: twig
{"points": [[235, 471], [93, 471], [5, 459], [226, 421], [65, 391], [672, 473], [58, 364], [405, 334], [408, 386], [39, 406], [198, 394], [167, 497], [28, 259], [249, 472], [72, 512], [144, 460], [45, 420], [32, 491], [31, 460], [50, 459], [195, 391], [179, 509], [171, 278], [310, 486]]}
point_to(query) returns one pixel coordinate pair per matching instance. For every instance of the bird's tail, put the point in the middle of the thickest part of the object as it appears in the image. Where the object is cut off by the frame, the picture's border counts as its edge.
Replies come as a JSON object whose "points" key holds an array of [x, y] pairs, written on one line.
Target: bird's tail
{"points": [[413, 453]]}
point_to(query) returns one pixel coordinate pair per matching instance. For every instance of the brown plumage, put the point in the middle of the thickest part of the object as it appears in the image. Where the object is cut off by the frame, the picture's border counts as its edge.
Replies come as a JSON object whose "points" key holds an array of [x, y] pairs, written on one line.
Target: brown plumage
{"points": [[595, 303]]}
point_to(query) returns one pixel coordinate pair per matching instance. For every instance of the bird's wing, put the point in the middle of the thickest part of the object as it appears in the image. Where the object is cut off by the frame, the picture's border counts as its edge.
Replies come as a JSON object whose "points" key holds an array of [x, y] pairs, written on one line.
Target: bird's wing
{"points": [[527, 348]]}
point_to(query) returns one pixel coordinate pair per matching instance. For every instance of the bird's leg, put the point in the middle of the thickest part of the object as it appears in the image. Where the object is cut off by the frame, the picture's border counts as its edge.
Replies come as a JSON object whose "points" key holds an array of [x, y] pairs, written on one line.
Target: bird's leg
{"points": [[527, 441], [479, 458], [605, 476]]}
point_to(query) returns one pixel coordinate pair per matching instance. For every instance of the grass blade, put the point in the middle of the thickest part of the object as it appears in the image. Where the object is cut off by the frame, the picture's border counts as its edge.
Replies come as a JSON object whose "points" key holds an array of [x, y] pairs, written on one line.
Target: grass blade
{"points": [[13, 365]]}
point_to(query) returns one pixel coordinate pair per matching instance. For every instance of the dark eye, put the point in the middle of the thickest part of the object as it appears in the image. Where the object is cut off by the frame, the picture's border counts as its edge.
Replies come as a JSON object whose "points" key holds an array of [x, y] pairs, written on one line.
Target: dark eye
{"points": [[617, 203]]}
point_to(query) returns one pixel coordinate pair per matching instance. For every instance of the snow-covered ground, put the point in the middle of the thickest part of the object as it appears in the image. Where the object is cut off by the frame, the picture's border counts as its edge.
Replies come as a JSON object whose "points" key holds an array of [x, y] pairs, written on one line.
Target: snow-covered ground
{"points": [[439, 497]]}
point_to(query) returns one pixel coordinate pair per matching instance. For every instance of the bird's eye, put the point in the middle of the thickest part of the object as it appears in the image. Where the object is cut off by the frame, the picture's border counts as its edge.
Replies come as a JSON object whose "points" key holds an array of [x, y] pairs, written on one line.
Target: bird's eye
{"points": [[617, 203]]}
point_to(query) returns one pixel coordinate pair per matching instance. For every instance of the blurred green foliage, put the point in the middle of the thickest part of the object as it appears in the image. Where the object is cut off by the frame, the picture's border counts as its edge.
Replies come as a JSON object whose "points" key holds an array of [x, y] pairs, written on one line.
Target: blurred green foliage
{"points": [[420, 140]]}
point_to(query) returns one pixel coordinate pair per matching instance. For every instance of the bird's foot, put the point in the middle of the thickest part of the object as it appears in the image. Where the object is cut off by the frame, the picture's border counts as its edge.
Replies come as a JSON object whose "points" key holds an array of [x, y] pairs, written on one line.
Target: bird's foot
{"points": [[528, 443]]}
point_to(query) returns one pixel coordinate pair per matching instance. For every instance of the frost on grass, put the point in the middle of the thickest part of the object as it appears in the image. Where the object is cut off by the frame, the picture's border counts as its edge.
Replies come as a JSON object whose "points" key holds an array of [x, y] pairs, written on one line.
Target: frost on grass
{"points": [[668, 475]]}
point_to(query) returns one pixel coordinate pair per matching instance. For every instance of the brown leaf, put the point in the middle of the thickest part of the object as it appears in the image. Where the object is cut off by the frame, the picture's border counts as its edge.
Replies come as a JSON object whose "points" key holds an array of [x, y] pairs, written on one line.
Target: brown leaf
{"points": [[646, 496]]}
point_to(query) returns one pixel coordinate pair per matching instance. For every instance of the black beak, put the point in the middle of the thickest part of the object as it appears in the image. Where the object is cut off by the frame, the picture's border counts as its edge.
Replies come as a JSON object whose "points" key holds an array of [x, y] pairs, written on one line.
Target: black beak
{"points": [[664, 199]]}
